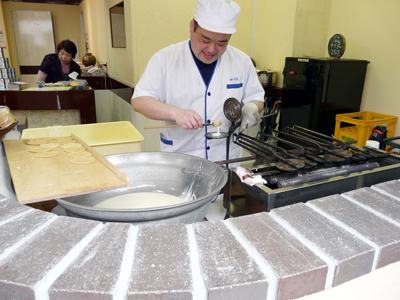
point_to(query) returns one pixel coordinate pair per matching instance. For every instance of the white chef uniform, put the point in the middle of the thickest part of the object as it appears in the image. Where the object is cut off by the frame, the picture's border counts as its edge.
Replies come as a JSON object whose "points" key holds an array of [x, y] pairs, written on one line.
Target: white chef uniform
{"points": [[172, 77]]}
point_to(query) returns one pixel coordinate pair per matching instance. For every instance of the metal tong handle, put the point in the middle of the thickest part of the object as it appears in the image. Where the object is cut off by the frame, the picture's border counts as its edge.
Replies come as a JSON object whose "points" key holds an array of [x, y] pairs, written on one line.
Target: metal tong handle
{"points": [[356, 151], [310, 154], [268, 150], [298, 147], [322, 136], [302, 140], [318, 140], [265, 144], [301, 155], [253, 148]]}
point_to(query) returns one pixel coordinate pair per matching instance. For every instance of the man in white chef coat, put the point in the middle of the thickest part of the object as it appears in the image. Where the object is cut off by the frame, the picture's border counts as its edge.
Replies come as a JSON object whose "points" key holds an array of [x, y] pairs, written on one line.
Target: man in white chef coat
{"points": [[188, 83]]}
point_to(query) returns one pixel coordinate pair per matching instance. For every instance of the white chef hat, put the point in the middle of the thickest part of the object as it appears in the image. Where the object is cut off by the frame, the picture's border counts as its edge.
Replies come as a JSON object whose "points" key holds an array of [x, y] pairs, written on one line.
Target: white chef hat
{"points": [[217, 15]]}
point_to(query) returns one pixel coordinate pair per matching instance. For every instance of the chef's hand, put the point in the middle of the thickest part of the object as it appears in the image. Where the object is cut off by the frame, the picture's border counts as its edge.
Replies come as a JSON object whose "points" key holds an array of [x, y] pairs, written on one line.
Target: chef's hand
{"points": [[250, 116], [189, 119]]}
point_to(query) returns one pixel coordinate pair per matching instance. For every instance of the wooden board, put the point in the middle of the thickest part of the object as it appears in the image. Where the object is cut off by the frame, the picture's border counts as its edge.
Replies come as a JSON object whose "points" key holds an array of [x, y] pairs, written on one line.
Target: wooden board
{"points": [[39, 179]]}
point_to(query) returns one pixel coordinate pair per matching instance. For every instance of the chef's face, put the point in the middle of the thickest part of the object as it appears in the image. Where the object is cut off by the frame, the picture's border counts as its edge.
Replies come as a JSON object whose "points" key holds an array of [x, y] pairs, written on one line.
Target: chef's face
{"points": [[207, 46], [64, 56]]}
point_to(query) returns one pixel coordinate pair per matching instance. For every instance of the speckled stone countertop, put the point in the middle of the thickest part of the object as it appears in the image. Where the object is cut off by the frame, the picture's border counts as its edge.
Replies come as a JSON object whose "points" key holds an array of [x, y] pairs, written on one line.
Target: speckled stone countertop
{"points": [[44, 118]]}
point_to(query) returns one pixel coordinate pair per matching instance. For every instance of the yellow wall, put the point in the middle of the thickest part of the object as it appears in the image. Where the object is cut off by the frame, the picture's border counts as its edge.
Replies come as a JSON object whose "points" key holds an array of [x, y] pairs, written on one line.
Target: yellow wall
{"points": [[311, 28], [268, 31], [3, 26], [121, 59], [288, 28], [65, 22], [157, 24], [95, 27], [242, 38], [372, 32], [274, 33]]}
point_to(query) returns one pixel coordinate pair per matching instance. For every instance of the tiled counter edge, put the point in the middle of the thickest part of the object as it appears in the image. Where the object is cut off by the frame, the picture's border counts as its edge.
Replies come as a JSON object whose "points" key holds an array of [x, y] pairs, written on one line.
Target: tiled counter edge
{"points": [[288, 253]]}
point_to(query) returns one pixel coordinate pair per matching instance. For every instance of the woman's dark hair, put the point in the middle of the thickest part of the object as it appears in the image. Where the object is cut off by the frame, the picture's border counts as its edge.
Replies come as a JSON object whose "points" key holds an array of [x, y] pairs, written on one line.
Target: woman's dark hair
{"points": [[68, 46]]}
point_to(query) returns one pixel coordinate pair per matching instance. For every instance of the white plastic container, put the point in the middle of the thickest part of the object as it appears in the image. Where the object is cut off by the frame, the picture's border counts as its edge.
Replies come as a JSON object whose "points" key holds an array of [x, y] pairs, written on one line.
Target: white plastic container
{"points": [[106, 138], [373, 144]]}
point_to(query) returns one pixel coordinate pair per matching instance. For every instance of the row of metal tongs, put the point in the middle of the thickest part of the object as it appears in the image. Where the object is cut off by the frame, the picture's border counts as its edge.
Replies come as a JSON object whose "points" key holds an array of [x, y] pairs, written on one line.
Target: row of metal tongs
{"points": [[301, 148]]}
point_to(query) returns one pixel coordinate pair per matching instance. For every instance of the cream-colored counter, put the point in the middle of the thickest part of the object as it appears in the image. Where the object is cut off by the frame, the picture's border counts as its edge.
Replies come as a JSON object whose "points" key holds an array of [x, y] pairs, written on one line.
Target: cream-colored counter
{"points": [[382, 284]]}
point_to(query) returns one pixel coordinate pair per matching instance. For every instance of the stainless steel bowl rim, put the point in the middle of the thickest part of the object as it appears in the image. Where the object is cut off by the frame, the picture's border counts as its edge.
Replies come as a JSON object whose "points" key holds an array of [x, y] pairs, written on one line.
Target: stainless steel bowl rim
{"points": [[125, 162], [125, 210]]}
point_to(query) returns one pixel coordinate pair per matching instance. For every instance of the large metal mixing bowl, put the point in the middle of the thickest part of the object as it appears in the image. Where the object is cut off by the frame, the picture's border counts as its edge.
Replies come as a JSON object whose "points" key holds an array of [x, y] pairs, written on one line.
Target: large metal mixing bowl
{"points": [[160, 172]]}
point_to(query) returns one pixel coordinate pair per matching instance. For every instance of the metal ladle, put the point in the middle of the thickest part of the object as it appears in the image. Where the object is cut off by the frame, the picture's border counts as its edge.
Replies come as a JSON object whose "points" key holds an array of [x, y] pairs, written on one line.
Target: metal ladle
{"points": [[216, 135], [216, 123], [233, 112]]}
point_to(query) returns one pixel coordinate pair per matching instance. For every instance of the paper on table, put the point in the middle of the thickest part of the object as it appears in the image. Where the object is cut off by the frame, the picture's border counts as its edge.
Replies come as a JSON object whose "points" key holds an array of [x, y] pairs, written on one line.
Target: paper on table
{"points": [[248, 177], [73, 75]]}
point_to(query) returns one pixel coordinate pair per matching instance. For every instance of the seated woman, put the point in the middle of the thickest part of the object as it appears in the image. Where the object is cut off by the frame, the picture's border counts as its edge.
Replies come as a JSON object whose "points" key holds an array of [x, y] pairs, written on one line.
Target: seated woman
{"points": [[57, 66]]}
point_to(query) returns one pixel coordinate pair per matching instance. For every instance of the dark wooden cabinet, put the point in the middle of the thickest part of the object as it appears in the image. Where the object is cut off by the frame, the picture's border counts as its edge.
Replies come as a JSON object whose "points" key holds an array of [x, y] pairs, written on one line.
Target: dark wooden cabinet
{"points": [[274, 92], [103, 82], [52, 100]]}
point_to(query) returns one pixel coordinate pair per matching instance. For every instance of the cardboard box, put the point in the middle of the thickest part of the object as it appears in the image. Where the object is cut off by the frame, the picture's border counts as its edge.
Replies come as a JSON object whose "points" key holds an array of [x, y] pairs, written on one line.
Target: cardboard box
{"points": [[8, 73], [4, 63]]}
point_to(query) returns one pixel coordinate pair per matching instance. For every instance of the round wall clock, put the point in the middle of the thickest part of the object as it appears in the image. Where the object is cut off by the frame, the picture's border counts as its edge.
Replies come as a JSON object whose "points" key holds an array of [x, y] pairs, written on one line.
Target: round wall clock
{"points": [[336, 46]]}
